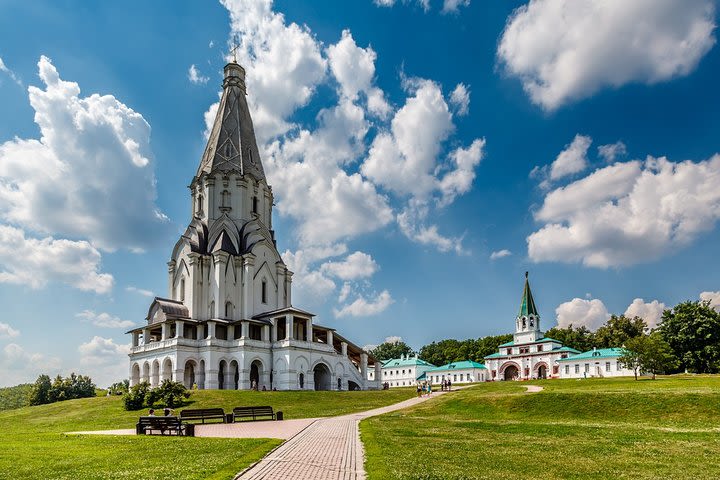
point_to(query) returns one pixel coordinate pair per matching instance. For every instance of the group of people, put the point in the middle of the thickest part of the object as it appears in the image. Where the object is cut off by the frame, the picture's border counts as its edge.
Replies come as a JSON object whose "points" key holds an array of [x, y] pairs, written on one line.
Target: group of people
{"points": [[166, 411], [445, 385], [424, 389]]}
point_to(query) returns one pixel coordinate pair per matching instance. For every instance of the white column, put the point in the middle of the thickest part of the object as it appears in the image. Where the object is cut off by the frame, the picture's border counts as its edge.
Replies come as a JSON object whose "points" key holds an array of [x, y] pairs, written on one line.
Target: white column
{"points": [[265, 336], [165, 331], [244, 329], [280, 269], [248, 291], [363, 365], [210, 330], [220, 260], [135, 338], [378, 372], [231, 332], [289, 327], [288, 287], [273, 330], [171, 277], [308, 330], [343, 349], [146, 336], [330, 338], [179, 329]]}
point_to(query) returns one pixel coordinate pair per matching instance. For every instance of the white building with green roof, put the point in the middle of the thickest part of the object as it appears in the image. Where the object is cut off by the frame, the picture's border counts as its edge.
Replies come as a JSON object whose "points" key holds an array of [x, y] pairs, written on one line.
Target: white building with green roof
{"points": [[598, 362], [402, 372], [530, 354], [466, 371]]}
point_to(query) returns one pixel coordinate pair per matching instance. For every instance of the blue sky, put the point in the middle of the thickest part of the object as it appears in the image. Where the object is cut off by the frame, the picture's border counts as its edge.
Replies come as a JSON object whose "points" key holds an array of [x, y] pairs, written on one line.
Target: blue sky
{"points": [[423, 156]]}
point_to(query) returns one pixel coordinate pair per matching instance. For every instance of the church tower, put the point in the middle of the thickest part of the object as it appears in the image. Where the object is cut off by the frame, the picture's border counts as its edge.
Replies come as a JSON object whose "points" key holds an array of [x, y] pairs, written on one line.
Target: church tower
{"points": [[226, 264], [527, 323]]}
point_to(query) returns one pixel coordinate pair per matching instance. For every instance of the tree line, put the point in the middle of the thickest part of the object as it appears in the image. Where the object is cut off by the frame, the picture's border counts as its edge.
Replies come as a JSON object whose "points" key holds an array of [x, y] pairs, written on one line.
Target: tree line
{"points": [[687, 339]]}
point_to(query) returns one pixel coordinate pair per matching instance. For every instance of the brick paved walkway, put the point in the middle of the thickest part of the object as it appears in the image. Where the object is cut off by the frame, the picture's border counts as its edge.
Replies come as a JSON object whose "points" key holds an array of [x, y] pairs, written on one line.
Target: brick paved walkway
{"points": [[329, 449]]}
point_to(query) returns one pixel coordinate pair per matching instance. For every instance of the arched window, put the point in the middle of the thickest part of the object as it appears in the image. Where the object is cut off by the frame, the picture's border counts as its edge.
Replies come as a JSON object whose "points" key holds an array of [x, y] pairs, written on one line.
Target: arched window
{"points": [[228, 310], [301, 380], [254, 204], [264, 291], [225, 199], [199, 208], [182, 290], [212, 309]]}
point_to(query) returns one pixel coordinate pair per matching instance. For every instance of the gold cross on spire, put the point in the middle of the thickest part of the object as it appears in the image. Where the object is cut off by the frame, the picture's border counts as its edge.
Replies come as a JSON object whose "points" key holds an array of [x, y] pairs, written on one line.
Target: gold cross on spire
{"points": [[233, 50]]}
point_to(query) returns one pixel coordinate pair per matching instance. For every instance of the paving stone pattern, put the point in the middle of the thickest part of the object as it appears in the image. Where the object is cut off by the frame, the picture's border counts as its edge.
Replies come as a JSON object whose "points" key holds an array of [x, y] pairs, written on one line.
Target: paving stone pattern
{"points": [[328, 449]]}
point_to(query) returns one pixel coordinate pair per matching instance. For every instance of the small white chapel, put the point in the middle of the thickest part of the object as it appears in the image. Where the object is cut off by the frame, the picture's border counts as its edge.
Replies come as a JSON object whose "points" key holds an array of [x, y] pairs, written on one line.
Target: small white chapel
{"points": [[228, 321]]}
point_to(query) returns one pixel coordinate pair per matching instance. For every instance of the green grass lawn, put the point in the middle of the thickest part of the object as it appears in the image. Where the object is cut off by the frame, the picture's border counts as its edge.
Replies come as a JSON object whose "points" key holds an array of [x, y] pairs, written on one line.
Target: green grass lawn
{"points": [[596, 429], [33, 443]]}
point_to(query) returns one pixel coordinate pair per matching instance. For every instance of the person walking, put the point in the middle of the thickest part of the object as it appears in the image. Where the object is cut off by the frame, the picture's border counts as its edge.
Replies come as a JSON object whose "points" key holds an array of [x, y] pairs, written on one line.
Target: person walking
{"points": [[419, 390]]}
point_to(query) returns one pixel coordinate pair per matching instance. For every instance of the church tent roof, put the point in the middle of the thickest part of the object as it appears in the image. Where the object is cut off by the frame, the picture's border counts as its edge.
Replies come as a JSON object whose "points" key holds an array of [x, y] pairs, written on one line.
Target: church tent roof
{"points": [[527, 304]]}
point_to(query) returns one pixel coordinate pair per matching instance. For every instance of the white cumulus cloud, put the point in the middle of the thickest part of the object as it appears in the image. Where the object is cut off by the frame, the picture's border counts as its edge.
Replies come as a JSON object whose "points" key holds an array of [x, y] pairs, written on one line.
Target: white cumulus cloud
{"points": [[104, 320], [195, 76], [90, 175], [460, 99], [571, 160], [35, 262], [565, 50], [651, 312], [6, 331], [4, 69], [580, 312], [500, 254], [140, 291], [354, 266], [628, 213], [20, 366], [363, 307]]}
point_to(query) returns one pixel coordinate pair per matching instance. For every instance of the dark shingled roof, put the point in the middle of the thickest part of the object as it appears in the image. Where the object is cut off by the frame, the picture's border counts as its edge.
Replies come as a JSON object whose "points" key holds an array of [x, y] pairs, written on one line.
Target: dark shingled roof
{"points": [[232, 145]]}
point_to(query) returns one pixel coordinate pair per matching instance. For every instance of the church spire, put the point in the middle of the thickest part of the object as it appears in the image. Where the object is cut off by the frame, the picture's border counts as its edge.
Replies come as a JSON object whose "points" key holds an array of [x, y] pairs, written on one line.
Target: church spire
{"points": [[527, 304], [232, 145]]}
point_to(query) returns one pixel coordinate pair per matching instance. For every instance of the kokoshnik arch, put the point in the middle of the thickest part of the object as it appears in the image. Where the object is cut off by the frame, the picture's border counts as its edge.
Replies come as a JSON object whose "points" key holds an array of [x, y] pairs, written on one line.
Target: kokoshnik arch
{"points": [[229, 322]]}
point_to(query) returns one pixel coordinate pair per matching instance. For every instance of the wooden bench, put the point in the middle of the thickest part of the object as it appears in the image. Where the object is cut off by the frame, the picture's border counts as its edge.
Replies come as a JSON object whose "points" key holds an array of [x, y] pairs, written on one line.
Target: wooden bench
{"points": [[202, 414], [152, 425], [254, 413]]}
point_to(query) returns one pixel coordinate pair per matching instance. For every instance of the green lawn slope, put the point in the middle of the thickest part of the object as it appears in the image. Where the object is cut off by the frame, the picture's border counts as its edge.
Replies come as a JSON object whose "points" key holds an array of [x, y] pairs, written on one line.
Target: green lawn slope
{"points": [[34, 443], [589, 429]]}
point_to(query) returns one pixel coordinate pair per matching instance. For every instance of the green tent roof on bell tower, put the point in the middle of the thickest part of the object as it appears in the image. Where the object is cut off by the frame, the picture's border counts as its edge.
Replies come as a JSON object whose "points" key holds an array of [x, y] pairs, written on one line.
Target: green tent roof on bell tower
{"points": [[527, 304]]}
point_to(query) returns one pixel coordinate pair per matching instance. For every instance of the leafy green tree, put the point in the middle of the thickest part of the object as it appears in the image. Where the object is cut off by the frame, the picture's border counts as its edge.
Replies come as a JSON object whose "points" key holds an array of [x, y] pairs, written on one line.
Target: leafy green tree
{"points": [[617, 330], [15, 397], [119, 388], [40, 393], [692, 329], [134, 399], [579, 338], [171, 394], [649, 353], [390, 350]]}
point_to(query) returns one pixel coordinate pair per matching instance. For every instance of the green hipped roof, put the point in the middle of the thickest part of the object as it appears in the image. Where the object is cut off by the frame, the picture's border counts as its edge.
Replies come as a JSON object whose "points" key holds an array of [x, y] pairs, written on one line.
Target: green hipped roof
{"points": [[465, 364], [527, 304], [406, 362], [554, 350], [595, 354]]}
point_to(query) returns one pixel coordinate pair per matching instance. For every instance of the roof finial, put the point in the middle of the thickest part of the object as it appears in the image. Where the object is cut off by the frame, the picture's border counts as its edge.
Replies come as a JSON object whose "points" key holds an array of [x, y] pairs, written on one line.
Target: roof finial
{"points": [[526, 275], [233, 50]]}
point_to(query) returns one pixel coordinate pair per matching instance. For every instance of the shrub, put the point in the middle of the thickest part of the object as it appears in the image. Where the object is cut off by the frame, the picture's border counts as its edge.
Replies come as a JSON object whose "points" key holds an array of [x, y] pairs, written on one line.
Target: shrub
{"points": [[74, 386], [134, 399]]}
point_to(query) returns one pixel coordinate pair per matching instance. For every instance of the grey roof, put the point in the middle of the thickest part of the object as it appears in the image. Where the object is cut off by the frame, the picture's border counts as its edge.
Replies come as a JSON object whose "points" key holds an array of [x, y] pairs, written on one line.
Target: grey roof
{"points": [[171, 308], [232, 145], [289, 309]]}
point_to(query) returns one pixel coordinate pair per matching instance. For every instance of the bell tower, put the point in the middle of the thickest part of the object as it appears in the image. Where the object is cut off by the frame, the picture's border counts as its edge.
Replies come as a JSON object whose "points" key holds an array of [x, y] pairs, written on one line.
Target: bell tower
{"points": [[527, 323]]}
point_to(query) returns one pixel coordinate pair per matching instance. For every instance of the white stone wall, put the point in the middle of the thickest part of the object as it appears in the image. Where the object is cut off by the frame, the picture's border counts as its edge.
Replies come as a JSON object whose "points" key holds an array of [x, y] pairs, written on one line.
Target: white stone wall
{"points": [[593, 368], [401, 376], [464, 375]]}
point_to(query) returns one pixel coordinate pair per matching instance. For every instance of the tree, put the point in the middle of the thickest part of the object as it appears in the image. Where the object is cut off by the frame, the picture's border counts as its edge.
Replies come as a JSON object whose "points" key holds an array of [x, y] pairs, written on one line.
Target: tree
{"points": [[618, 330], [119, 388], [648, 353], [170, 394], [40, 393], [390, 350], [134, 399], [579, 338], [692, 329]]}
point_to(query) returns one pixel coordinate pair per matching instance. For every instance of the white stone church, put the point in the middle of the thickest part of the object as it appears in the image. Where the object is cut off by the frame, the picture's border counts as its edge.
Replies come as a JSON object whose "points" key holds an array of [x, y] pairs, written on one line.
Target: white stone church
{"points": [[228, 321]]}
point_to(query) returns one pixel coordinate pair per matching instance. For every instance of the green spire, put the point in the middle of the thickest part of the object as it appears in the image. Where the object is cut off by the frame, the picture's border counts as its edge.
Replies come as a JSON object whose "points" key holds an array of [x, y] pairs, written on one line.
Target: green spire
{"points": [[527, 304]]}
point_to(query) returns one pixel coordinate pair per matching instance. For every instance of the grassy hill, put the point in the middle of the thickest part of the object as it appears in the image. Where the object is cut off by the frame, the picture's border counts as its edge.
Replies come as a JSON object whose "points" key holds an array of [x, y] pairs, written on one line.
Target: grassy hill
{"points": [[35, 446], [596, 429]]}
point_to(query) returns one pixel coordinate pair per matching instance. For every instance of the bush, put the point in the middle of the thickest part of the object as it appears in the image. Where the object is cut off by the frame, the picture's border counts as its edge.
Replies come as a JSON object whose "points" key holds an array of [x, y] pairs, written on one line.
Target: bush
{"points": [[119, 388], [134, 399], [169, 394]]}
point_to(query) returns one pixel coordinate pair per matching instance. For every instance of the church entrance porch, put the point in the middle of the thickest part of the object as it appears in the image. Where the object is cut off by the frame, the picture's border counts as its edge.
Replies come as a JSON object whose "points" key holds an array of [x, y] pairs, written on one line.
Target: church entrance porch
{"points": [[511, 373], [189, 375], [321, 377], [541, 372]]}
